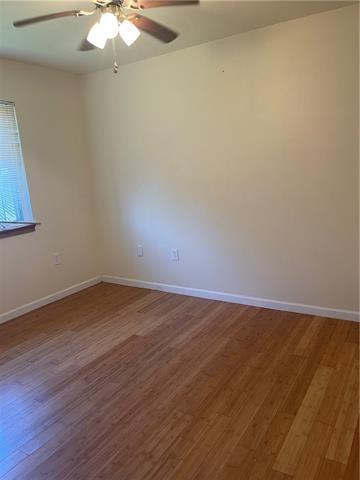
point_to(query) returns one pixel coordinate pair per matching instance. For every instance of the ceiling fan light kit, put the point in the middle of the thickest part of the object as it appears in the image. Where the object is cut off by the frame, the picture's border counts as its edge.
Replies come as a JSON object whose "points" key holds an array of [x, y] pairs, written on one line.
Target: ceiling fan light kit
{"points": [[128, 32], [117, 17], [110, 25], [97, 36]]}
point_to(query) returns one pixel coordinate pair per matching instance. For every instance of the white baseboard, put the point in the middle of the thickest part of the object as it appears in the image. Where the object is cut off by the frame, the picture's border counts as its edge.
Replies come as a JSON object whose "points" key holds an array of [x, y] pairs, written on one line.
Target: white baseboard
{"points": [[192, 292], [16, 312], [232, 298]]}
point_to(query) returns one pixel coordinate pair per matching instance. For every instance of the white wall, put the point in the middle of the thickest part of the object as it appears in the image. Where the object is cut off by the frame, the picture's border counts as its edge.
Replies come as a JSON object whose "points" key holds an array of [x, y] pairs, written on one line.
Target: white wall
{"points": [[50, 117], [243, 154]]}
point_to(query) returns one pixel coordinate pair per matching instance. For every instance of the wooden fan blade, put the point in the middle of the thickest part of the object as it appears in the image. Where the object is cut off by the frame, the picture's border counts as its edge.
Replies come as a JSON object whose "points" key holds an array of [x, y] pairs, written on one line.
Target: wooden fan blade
{"points": [[86, 46], [153, 28], [164, 3], [51, 16]]}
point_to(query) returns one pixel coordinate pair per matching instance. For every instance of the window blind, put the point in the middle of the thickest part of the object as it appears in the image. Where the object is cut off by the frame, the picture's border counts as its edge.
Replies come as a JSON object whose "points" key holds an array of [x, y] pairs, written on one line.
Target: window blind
{"points": [[14, 194]]}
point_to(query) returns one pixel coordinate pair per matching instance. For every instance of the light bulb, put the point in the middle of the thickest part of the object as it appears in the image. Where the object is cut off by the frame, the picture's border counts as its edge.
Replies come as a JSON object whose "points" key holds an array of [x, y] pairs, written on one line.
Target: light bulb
{"points": [[97, 36], [128, 32], [109, 24]]}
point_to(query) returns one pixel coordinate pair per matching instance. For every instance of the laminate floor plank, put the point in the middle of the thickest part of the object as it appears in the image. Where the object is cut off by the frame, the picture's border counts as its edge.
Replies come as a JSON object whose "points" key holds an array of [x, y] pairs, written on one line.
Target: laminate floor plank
{"points": [[119, 382]]}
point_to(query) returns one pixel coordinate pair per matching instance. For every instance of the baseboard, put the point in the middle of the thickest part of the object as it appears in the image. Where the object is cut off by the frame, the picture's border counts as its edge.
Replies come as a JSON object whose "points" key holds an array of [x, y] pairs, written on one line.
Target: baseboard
{"points": [[232, 298], [191, 292], [41, 302]]}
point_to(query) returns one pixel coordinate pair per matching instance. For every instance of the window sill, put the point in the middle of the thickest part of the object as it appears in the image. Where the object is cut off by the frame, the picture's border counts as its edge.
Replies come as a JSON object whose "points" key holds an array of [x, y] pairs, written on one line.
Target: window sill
{"points": [[10, 230]]}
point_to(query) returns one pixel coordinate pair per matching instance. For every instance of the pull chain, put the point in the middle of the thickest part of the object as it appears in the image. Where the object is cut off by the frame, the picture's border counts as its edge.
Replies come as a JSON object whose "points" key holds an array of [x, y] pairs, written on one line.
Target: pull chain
{"points": [[115, 64]]}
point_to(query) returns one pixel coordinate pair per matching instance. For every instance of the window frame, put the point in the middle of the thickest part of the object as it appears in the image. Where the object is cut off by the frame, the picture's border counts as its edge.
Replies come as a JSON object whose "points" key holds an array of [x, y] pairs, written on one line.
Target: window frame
{"points": [[18, 229], [19, 226]]}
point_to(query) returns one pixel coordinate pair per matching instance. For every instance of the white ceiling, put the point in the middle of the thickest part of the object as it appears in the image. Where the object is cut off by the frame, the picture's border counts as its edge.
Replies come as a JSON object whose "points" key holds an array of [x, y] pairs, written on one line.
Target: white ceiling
{"points": [[55, 43]]}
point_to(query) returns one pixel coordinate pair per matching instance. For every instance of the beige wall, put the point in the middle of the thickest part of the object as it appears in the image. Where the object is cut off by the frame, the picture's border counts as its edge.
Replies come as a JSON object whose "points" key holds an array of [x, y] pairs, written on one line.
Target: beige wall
{"points": [[243, 154], [51, 124]]}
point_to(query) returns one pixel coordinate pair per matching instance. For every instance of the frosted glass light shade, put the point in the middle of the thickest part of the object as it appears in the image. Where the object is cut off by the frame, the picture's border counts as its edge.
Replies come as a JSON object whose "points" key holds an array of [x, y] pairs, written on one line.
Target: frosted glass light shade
{"points": [[109, 24], [128, 32], [97, 36]]}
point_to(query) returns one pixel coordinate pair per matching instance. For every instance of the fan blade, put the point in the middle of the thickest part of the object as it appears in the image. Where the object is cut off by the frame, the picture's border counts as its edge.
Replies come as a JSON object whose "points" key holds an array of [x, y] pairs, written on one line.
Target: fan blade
{"points": [[86, 46], [51, 16], [164, 3], [153, 28]]}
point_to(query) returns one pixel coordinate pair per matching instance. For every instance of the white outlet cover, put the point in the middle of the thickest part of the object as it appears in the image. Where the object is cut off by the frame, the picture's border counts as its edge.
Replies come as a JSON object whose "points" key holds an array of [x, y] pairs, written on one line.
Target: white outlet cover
{"points": [[174, 254], [57, 258], [140, 251]]}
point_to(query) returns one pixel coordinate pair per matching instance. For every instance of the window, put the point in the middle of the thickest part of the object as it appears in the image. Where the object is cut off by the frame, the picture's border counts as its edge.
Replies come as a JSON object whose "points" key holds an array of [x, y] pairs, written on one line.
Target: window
{"points": [[14, 194]]}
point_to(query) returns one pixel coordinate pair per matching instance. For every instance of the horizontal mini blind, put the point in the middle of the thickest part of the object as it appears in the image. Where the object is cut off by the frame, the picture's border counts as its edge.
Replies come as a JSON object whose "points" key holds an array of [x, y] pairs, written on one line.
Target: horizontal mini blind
{"points": [[14, 194]]}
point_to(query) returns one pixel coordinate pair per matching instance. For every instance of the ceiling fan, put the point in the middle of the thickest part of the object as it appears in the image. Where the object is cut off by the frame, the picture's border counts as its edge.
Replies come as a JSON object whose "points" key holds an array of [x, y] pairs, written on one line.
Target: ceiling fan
{"points": [[117, 17]]}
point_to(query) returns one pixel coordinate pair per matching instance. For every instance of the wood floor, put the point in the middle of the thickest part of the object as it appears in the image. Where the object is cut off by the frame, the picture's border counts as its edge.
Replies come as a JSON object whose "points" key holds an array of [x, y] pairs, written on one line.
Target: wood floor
{"points": [[120, 383]]}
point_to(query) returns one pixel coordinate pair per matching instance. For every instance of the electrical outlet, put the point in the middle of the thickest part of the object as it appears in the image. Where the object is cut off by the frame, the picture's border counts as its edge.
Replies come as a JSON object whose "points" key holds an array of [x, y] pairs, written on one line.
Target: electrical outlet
{"points": [[57, 258], [174, 254], [140, 251]]}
